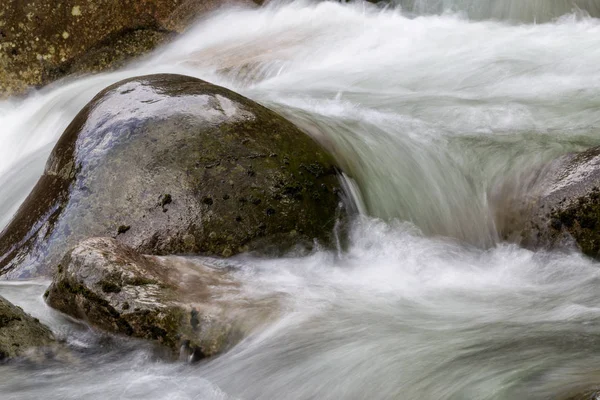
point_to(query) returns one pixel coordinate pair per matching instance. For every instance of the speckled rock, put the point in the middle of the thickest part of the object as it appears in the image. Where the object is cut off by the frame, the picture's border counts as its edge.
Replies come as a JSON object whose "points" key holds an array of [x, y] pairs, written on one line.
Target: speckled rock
{"points": [[20, 333], [111, 53], [562, 209], [186, 307], [43, 40], [170, 164]]}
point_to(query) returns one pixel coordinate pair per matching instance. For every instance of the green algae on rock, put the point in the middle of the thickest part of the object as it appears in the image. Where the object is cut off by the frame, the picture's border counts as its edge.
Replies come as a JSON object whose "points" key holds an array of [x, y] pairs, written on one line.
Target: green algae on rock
{"points": [[563, 209], [170, 164], [20, 333], [169, 300]]}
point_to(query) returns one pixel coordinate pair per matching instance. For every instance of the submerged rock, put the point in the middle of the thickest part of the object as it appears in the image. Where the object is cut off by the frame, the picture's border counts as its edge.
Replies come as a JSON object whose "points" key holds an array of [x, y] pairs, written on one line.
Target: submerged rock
{"points": [[170, 164], [20, 333], [44, 40], [188, 308], [563, 207]]}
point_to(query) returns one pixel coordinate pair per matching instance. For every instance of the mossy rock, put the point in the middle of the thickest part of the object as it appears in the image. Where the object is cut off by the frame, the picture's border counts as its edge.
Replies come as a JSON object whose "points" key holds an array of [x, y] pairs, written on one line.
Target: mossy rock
{"points": [[44, 40], [20, 333], [170, 164], [170, 301], [562, 210]]}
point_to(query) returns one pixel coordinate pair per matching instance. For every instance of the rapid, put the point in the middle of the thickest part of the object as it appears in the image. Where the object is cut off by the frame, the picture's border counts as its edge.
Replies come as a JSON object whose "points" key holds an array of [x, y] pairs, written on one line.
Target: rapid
{"points": [[439, 112]]}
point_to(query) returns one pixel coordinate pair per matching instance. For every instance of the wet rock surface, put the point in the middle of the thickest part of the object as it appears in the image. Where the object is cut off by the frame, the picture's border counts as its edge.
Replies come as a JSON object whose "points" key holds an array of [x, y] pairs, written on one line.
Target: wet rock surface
{"points": [[20, 333], [170, 164], [188, 308], [563, 208], [44, 40]]}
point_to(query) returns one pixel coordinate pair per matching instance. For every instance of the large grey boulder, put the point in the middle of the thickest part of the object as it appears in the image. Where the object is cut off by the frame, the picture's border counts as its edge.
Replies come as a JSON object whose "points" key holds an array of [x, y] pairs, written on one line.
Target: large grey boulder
{"points": [[170, 164], [192, 310]]}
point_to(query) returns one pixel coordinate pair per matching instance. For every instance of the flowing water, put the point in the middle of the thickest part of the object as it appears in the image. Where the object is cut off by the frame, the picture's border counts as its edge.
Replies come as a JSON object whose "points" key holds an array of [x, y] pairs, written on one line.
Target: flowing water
{"points": [[511, 10], [434, 108]]}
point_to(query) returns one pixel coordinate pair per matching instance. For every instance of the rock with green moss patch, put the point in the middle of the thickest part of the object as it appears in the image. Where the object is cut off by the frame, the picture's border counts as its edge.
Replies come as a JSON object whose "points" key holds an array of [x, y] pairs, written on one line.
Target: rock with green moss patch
{"points": [[20, 333], [562, 210], [186, 307], [170, 164]]}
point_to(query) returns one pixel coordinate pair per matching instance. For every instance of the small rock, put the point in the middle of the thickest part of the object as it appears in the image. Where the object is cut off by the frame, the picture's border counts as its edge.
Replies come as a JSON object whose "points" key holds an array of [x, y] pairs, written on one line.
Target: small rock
{"points": [[176, 303], [562, 209], [20, 333]]}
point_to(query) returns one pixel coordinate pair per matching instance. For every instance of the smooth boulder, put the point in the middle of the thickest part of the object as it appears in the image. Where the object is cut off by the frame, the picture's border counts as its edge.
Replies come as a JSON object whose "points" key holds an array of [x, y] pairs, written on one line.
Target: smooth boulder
{"points": [[170, 164], [562, 209], [20, 333], [192, 310]]}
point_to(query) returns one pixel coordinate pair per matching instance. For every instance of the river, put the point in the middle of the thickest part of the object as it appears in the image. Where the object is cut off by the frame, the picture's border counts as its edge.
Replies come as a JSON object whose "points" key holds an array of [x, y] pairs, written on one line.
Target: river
{"points": [[439, 110]]}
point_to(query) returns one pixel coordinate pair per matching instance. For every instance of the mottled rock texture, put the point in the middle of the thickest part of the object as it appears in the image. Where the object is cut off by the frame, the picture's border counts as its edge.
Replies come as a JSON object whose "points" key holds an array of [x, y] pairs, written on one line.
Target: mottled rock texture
{"points": [[186, 307], [43, 40]]}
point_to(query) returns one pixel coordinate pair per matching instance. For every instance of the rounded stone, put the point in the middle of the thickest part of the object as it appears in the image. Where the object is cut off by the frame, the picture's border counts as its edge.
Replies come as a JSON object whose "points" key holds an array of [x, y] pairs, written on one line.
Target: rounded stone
{"points": [[170, 164]]}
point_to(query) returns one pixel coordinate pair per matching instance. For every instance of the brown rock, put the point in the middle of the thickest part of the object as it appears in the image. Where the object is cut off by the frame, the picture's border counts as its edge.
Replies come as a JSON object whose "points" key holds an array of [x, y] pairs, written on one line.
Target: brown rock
{"points": [[192, 310], [41, 41]]}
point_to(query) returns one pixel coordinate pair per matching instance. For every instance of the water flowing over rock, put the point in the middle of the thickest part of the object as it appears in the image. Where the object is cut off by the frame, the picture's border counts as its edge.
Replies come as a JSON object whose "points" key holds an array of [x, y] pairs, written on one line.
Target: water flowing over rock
{"points": [[179, 304], [20, 333], [44, 40], [563, 208], [170, 164]]}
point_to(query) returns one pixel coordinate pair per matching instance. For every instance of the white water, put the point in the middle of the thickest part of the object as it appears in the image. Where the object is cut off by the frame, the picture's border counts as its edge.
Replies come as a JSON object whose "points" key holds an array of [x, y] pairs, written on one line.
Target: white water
{"points": [[433, 116]]}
